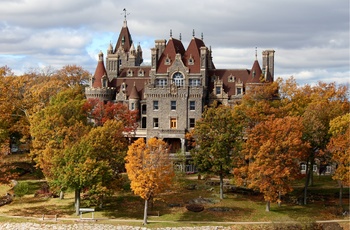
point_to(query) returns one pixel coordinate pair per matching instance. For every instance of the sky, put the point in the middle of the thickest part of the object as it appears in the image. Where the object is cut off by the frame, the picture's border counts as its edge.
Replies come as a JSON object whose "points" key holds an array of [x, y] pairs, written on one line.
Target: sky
{"points": [[310, 37]]}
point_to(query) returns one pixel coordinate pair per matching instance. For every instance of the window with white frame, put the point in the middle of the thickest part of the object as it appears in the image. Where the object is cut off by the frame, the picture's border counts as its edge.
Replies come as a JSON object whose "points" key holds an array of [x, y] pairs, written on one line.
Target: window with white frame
{"points": [[194, 82]]}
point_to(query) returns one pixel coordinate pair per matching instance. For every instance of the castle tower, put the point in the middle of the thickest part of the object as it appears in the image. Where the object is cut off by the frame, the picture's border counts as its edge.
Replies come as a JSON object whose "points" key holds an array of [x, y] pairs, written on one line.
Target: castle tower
{"points": [[99, 86]]}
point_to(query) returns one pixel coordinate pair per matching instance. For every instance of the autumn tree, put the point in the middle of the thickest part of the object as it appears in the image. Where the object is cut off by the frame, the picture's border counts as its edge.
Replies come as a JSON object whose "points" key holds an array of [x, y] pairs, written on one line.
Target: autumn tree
{"points": [[339, 147], [57, 127], [22, 96], [149, 169], [273, 151], [99, 112], [93, 164], [217, 139]]}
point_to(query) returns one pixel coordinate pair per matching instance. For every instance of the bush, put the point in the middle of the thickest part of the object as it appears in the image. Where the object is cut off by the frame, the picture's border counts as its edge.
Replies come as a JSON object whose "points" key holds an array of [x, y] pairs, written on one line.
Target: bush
{"points": [[195, 207], [21, 189]]}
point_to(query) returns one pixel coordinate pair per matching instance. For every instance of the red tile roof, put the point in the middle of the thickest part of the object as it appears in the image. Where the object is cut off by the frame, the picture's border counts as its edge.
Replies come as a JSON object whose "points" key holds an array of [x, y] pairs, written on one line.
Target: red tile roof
{"points": [[173, 47], [99, 73], [193, 51]]}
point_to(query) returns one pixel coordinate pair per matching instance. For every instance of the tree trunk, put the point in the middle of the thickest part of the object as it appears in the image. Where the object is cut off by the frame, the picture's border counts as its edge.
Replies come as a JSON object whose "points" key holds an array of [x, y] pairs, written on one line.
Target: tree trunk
{"points": [[145, 213], [267, 206], [341, 194], [279, 199], [309, 168], [61, 195], [221, 187], [77, 201]]}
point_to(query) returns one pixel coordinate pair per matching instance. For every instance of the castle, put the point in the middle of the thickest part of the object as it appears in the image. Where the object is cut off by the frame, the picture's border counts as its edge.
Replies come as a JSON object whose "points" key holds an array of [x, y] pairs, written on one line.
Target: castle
{"points": [[171, 92]]}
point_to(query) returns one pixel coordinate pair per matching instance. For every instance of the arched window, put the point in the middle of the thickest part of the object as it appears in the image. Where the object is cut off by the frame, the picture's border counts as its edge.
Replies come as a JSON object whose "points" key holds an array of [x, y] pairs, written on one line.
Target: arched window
{"points": [[178, 79]]}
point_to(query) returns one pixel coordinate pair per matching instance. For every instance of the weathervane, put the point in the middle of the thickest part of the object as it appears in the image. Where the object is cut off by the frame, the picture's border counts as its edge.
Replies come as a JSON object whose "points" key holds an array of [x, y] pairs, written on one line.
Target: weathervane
{"points": [[125, 14]]}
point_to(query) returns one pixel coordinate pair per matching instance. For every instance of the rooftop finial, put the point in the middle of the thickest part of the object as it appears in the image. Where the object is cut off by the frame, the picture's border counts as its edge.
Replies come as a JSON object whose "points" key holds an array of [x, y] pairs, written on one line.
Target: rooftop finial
{"points": [[125, 24], [125, 14], [193, 33], [256, 53], [202, 36], [171, 33], [180, 37]]}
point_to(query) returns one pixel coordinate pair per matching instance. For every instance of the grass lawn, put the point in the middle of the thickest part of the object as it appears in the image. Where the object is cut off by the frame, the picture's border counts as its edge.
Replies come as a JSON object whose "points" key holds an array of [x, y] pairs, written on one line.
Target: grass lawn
{"points": [[124, 206]]}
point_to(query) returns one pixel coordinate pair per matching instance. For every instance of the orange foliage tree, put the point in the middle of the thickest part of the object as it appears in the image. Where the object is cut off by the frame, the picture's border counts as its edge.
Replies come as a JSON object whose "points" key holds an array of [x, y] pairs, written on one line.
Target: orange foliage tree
{"points": [[339, 147], [149, 169], [99, 112], [272, 153]]}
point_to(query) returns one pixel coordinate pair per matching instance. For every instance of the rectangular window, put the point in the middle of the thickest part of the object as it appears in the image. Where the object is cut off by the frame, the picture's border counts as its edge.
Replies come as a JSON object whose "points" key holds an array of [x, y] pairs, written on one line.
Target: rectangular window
{"points": [[192, 122], [173, 105], [314, 168], [194, 82], [155, 105], [155, 123], [192, 105], [239, 91], [173, 123], [144, 123], [132, 106], [161, 82], [328, 169], [218, 90]]}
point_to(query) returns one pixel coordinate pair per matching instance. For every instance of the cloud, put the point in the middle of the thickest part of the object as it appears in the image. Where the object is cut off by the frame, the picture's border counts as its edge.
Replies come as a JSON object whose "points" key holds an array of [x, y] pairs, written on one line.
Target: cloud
{"points": [[311, 37]]}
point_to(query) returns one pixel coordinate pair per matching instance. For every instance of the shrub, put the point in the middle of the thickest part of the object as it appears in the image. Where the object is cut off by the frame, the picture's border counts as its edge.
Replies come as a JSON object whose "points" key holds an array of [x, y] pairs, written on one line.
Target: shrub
{"points": [[195, 207], [21, 189]]}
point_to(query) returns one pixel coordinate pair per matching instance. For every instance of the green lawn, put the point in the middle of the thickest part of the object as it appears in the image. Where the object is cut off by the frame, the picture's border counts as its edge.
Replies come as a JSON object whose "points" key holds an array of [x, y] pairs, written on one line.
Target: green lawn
{"points": [[171, 205]]}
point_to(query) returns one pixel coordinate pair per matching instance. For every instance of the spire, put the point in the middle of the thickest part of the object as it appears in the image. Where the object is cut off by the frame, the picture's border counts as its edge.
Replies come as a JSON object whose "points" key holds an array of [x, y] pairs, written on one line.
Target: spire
{"points": [[125, 14]]}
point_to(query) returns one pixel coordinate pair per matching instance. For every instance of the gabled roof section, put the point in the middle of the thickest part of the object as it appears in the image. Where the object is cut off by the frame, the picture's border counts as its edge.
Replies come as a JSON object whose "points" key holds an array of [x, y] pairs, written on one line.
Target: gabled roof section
{"points": [[99, 72], [173, 47], [229, 78], [192, 55], [255, 73], [124, 40]]}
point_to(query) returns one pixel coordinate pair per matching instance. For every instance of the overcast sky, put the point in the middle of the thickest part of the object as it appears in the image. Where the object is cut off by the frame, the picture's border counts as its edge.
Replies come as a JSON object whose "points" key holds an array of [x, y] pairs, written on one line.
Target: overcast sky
{"points": [[310, 37]]}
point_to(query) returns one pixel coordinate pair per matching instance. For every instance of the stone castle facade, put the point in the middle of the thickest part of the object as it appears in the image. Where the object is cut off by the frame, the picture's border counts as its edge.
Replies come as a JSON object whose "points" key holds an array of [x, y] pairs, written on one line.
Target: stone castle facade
{"points": [[171, 93]]}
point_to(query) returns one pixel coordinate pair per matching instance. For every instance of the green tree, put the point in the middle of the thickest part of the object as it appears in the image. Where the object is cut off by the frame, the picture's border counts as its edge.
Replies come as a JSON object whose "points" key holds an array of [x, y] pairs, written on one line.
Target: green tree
{"points": [[149, 169], [217, 139], [94, 163], [339, 147]]}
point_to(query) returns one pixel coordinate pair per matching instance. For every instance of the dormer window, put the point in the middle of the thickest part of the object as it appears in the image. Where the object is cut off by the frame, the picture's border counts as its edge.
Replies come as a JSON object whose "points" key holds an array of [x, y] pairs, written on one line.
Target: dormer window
{"points": [[129, 73], [167, 61], [218, 90], [191, 61], [123, 86], [232, 79], [141, 73], [123, 40], [104, 82]]}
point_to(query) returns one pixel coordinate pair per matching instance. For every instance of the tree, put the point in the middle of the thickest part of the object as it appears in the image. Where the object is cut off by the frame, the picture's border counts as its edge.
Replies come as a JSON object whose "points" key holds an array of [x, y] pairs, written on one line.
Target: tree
{"points": [[339, 147], [94, 163], [99, 112], [217, 139], [273, 150], [57, 127], [149, 169]]}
